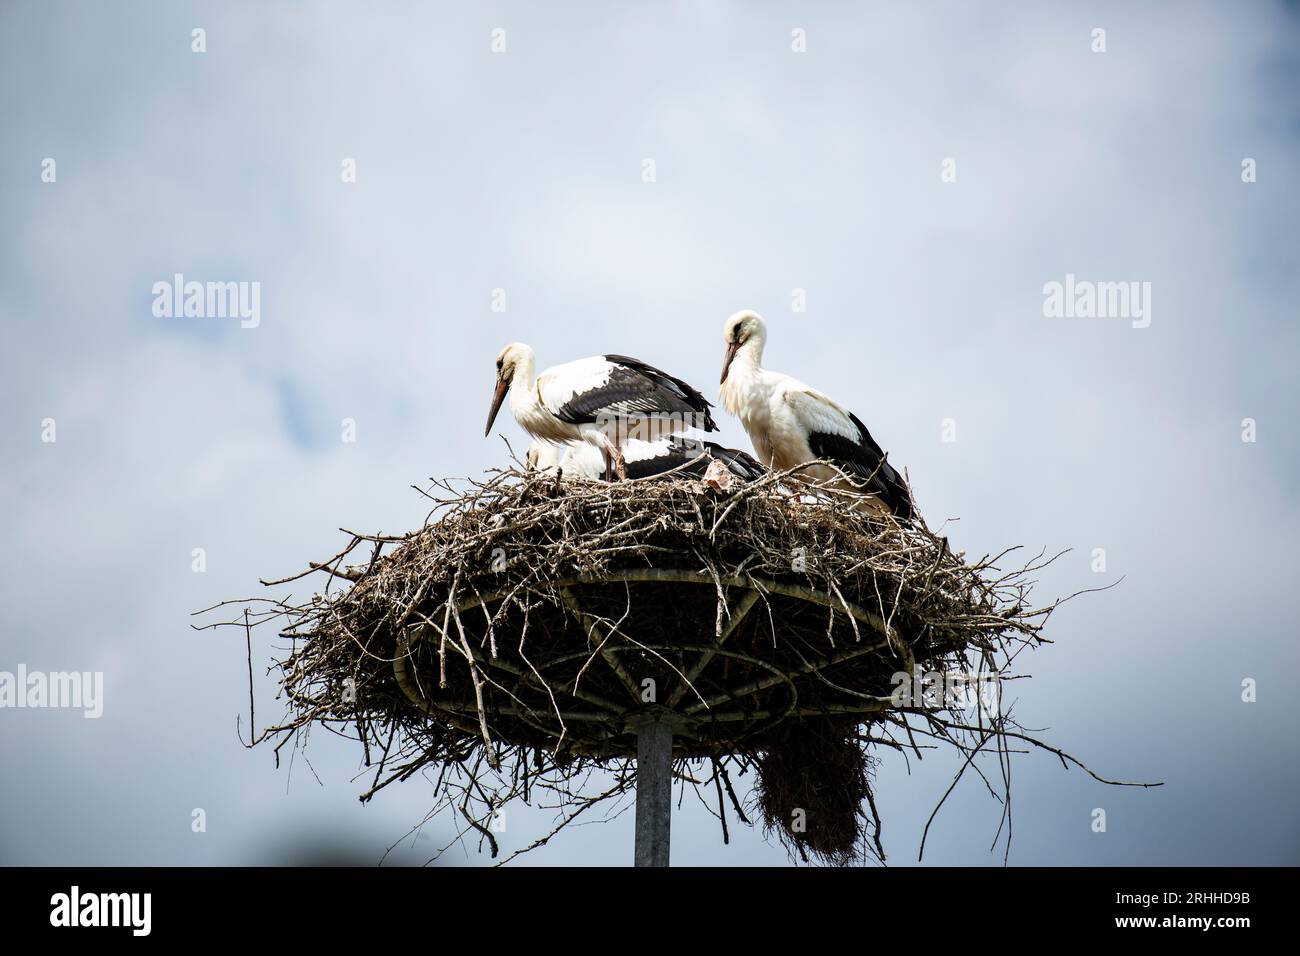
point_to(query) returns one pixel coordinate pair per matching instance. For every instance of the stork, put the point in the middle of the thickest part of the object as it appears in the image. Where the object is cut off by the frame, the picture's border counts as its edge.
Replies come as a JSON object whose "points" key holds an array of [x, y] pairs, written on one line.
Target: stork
{"points": [[645, 459], [601, 400], [792, 424]]}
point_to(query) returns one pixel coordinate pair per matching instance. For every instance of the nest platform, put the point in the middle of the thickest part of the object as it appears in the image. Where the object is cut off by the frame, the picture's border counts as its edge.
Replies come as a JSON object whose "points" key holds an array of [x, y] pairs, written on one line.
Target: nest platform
{"points": [[533, 626]]}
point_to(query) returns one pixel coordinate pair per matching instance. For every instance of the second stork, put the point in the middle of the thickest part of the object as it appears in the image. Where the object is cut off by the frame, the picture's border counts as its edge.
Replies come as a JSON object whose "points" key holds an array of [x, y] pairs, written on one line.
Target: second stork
{"points": [[792, 424], [600, 400]]}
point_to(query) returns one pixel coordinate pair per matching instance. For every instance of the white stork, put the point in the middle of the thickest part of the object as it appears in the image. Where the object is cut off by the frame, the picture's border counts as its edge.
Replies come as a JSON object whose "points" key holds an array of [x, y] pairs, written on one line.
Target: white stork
{"points": [[600, 400], [792, 424], [645, 459]]}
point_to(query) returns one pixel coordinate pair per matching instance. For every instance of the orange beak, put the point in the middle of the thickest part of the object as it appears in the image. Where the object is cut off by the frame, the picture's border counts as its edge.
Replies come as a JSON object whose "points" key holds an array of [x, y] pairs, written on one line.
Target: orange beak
{"points": [[732, 349], [497, 398]]}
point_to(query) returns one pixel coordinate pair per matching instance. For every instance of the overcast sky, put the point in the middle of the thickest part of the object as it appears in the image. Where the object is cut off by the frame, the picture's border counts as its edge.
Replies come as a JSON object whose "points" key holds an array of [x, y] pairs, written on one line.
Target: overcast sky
{"points": [[524, 170]]}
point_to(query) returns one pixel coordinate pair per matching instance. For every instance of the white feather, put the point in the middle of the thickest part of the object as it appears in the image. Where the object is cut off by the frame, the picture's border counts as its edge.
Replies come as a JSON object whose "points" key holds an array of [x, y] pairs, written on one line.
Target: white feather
{"points": [[558, 385], [817, 413], [588, 461]]}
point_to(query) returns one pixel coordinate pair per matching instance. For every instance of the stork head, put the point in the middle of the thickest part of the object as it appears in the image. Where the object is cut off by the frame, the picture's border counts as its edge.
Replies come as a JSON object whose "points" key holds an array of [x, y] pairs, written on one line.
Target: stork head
{"points": [[513, 357], [744, 328]]}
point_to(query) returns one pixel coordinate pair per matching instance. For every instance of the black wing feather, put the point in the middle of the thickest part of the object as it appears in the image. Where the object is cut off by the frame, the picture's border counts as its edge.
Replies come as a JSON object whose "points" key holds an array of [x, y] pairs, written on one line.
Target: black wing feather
{"points": [[635, 388], [739, 463], [864, 461], [693, 458]]}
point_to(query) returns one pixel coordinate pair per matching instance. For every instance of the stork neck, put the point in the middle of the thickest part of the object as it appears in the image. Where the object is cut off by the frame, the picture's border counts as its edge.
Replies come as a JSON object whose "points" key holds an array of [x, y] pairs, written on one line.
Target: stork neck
{"points": [[522, 393], [742, 379], [748, 357]]}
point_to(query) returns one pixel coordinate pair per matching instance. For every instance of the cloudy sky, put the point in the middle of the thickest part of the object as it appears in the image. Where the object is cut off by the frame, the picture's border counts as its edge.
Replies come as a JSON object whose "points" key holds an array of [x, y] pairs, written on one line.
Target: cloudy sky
{"points": [[524, 170]]}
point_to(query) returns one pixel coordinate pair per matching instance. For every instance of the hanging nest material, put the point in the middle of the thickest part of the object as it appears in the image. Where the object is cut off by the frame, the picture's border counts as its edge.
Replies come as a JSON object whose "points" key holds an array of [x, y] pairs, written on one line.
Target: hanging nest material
{"points": [[509, 648]]}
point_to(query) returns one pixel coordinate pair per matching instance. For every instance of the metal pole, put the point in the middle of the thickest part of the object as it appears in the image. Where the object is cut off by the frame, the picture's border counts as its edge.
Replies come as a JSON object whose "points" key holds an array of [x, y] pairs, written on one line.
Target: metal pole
{"points": [[654, 792]]}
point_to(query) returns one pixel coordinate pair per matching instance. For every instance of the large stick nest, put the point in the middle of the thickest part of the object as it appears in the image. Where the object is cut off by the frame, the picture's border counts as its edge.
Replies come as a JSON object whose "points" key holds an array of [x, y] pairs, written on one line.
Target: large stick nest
{"points": [[511, 646]]}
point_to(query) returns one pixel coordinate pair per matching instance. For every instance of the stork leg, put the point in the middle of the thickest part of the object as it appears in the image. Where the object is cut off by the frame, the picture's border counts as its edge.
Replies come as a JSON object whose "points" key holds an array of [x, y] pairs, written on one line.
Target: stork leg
{"points": [[614, 461]]}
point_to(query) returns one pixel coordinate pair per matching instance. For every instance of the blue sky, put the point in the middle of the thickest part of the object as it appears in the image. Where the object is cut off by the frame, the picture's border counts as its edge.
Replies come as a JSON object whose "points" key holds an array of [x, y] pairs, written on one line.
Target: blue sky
{"points": [[775, 171]]}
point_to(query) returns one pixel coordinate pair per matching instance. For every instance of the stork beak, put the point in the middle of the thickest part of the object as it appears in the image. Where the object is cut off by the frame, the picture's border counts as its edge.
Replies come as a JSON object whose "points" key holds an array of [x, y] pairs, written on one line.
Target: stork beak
{"points": [[732, 348], [497, 398]]}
